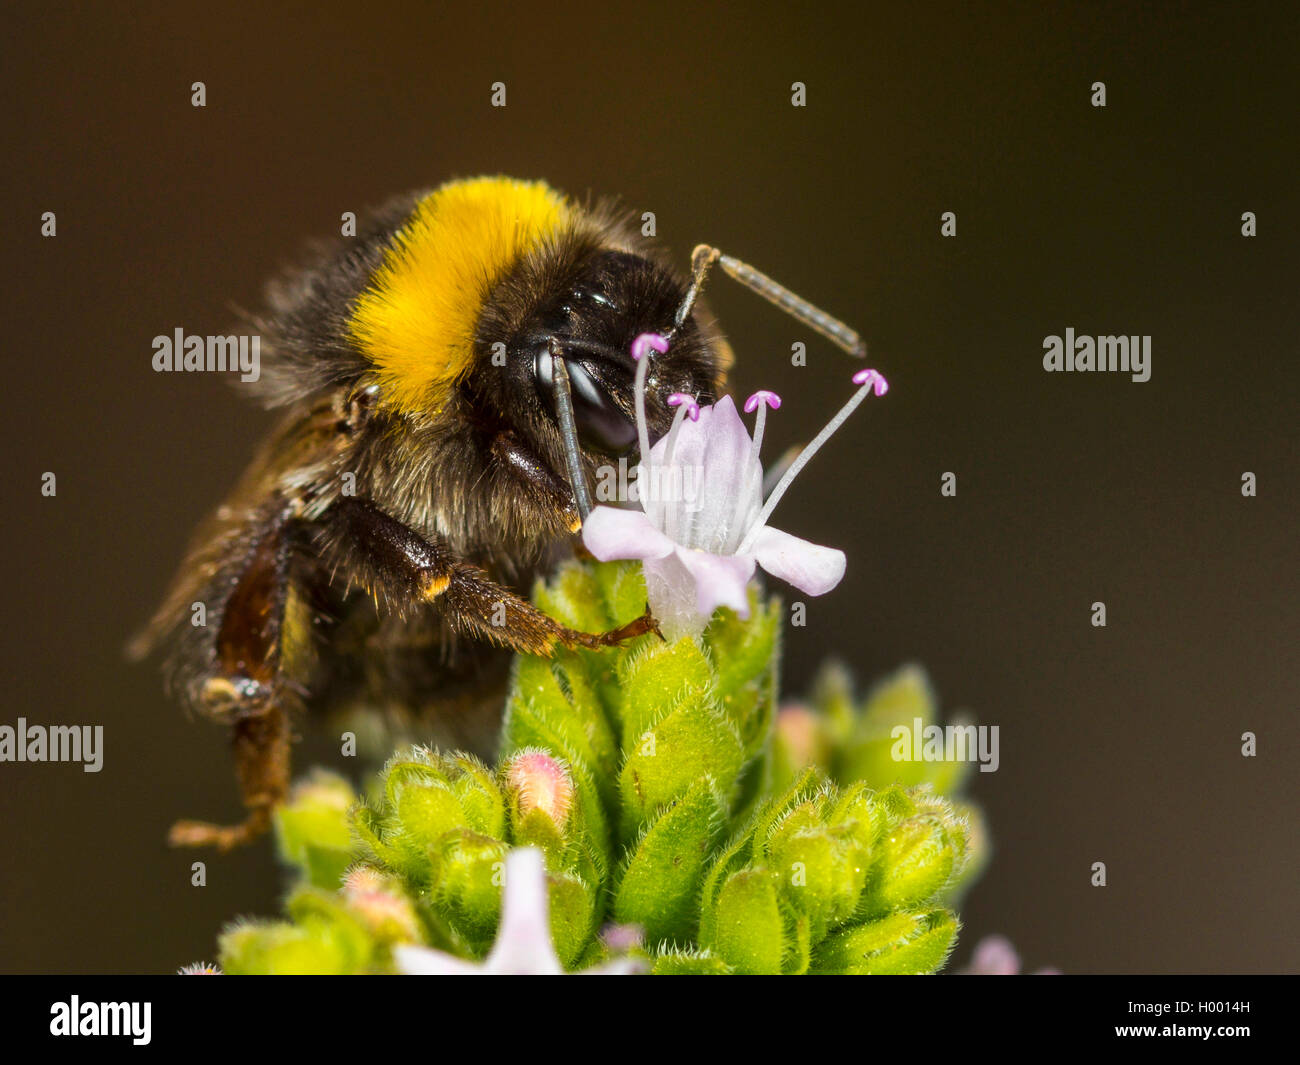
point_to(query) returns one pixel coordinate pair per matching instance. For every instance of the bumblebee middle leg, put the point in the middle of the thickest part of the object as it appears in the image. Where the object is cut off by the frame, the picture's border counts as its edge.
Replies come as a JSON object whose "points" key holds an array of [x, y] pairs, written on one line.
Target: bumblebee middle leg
{"points": [[405, 570]]}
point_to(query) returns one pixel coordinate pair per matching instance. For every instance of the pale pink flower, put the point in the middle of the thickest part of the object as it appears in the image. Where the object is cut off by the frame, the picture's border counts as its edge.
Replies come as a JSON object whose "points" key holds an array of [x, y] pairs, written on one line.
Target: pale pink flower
{"points": [[523, 945], [996, 956], [699, 553]]}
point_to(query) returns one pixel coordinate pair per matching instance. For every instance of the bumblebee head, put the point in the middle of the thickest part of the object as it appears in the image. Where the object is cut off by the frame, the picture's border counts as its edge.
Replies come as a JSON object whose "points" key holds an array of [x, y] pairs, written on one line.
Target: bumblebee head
{"points": [[586, 302], [486, 279]]}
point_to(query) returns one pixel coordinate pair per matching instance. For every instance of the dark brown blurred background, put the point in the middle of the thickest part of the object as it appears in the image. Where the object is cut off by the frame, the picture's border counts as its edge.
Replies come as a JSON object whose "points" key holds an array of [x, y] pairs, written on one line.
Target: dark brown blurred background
{"points": [[1118, 744]]}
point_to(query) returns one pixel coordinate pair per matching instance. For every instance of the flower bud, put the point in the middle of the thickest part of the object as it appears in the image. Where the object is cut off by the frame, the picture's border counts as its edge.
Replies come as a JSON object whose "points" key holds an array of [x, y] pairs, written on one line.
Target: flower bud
{"points": [[822, 872], [317, 942], [381, 904], [832, 698], [622, 938], [693, 741], [660, 887], [312, 828], [900, 944], [572, 915], [469, 872], [800, 740], [859, 812], [743, 653], [748, 930], [918, 857], [425, 796], [536, 781]]}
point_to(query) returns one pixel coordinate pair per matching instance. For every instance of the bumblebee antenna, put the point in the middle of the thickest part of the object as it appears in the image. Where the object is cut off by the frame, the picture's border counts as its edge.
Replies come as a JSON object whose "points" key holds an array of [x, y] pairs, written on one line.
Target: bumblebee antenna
{"points": [[704, 256], [568, 429]]}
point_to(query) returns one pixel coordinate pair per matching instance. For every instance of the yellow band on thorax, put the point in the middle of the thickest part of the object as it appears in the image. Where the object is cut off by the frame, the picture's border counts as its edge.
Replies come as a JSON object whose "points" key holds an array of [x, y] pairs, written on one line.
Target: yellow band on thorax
{"points": [[416, 322]]}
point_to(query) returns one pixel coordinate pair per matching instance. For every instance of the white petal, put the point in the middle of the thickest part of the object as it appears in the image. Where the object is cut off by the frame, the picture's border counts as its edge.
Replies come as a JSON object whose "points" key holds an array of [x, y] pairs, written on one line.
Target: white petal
{"points": [[720, 580], [523, 943], [614, 532], [994, 956], [813, 569], [719, 477], [422, 961], [670, 588]]}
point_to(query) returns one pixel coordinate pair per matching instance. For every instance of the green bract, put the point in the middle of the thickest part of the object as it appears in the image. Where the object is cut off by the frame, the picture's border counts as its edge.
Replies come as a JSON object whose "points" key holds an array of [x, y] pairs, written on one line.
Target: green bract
{"points": [[656, 784]]}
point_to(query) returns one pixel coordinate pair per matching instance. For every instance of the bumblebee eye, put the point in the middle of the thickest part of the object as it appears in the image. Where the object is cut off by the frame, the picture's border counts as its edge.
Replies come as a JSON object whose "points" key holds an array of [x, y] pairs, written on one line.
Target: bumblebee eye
{"points": [[583, 295], [601, 425]]}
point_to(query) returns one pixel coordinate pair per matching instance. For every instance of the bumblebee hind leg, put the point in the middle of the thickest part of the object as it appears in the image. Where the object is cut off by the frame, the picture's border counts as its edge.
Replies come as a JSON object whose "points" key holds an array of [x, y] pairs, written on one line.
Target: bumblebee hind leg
{"points": [[242, 684], [262, 764]]}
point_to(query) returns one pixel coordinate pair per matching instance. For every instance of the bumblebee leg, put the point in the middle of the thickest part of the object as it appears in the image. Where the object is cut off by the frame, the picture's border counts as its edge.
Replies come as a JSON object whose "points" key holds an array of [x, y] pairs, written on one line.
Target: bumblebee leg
{"points": [[262, 763], [479, 605], [405, 569], [506, 450], [244, 688]]}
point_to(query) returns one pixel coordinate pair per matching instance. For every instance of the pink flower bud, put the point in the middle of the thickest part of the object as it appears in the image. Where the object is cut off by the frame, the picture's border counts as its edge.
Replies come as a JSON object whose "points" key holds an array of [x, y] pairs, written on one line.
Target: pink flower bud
{"points": [[800, 732], [540, 782], [376, 899]]}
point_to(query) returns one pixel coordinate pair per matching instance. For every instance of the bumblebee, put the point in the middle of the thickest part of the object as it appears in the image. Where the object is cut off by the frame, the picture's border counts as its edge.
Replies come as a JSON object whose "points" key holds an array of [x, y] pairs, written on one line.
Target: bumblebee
{"points": [[449, 377]]}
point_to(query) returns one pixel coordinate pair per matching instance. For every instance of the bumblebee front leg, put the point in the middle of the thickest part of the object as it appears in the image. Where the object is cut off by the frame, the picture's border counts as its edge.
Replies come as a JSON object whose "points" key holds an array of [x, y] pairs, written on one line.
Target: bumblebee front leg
{"points": [[404, 569], [243, 686]]}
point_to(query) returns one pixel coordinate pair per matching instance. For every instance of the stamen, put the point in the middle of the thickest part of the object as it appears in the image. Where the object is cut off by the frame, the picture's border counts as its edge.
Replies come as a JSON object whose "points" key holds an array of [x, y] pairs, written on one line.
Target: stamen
{"points": [[761, 400], [762, 396], [750, 494], [863, 376], [867, 380], [686, 400], [774, 472], [645, 342], [641, 348]]}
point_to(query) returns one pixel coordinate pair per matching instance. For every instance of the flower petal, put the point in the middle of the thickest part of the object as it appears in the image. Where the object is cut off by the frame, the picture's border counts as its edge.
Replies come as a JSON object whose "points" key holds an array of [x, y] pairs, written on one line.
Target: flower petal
{"points": [[811, 568], [614, 533], [718, 478], [994, 956], [523, 944], [423, 961], [720, 580], [670, 589]]}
